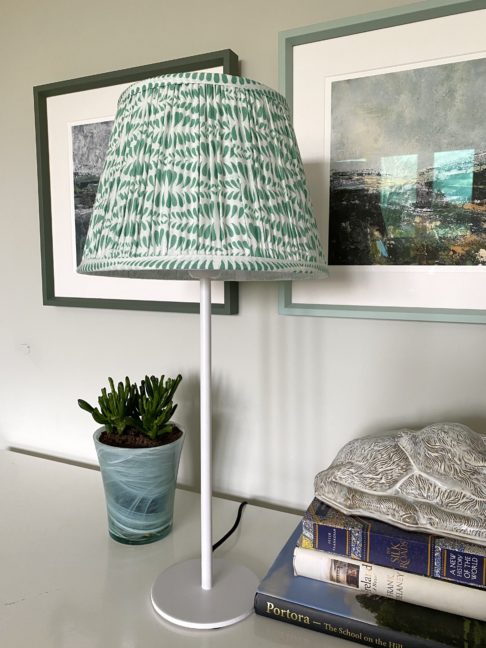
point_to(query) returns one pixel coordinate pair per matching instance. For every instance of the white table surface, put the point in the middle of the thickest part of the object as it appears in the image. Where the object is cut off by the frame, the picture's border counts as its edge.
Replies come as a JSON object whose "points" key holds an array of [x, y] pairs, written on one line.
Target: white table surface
{"points": [[64, 583]]}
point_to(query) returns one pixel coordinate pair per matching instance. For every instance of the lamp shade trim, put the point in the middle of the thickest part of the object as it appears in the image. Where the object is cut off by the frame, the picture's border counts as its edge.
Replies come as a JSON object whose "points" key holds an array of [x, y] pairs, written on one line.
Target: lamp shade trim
{"points": [[205, 78], [203, 172], [236, 268]]}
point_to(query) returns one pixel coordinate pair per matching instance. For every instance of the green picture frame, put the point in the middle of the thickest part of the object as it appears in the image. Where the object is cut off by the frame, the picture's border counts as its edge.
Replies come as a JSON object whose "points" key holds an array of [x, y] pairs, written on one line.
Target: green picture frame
{"points": [[352, 31], [53, 105]]}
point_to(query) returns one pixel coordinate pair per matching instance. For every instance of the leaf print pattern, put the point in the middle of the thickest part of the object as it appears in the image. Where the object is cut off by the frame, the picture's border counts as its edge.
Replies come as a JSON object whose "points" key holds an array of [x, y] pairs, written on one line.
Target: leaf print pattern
{"points": [[203, 174]]}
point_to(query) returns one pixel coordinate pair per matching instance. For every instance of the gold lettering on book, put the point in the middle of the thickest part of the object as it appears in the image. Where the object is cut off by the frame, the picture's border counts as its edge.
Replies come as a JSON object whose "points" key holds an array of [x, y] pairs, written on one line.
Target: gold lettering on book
{"points": [[350, 635], [285, 613], [398, 553]]}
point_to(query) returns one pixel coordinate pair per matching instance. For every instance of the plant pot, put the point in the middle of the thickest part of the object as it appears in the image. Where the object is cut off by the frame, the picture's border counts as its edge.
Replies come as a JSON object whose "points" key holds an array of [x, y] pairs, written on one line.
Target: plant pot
{"points": [[139, 489]]}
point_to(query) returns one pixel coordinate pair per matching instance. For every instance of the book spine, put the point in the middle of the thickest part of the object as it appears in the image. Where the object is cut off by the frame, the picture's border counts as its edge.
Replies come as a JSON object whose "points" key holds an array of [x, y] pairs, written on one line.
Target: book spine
{"points": [[331, 624], [459, 565], [391, 583], [426, 555]]}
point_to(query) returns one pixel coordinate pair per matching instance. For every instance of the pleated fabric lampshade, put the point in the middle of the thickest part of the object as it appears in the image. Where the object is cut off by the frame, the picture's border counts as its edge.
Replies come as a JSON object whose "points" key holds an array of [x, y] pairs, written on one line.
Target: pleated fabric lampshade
{"points": [[203, 179], [203, 173]]}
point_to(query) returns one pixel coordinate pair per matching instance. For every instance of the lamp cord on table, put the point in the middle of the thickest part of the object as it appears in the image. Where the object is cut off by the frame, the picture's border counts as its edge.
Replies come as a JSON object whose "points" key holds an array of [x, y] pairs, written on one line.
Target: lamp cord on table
{"points": [[233, 528]]}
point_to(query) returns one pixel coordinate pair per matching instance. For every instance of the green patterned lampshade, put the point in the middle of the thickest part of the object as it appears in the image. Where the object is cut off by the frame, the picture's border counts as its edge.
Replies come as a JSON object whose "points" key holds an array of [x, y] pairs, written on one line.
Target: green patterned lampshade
{"points": [[203, 177]]}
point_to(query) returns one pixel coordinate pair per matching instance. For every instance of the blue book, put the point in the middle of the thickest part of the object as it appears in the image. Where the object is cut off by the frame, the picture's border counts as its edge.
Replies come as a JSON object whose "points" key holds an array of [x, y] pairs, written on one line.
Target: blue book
{"points": [[376, 542], [367, 619]]}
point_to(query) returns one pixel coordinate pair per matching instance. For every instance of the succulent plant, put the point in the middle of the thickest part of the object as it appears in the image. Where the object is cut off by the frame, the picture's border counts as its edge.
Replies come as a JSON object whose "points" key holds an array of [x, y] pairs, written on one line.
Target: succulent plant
{"points": [[116, 407], [155, 406], [148, 408]]}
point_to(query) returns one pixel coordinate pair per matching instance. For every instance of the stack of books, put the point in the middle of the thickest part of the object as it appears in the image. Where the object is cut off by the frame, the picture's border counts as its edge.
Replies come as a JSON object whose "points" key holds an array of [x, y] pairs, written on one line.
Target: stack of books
{"points": [[376, 584]]}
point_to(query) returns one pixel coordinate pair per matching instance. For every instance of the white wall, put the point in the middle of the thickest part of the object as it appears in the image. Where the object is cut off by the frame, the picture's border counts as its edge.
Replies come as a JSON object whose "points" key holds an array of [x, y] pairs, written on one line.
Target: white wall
{"points": [[289, 391]]}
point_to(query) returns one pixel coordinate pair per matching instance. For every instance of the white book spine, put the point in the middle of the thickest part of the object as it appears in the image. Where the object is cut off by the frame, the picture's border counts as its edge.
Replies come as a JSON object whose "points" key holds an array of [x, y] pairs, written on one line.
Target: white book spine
{"points": [[392, 583]]}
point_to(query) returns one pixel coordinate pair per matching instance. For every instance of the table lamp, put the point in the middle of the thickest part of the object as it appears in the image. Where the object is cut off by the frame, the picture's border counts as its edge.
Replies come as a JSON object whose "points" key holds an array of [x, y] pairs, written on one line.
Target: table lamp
{"points": [[203, 180]]}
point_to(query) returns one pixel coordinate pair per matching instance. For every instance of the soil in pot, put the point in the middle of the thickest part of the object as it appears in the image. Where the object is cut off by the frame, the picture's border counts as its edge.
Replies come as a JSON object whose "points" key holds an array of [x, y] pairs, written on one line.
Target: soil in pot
{"points": [[132, 438]]}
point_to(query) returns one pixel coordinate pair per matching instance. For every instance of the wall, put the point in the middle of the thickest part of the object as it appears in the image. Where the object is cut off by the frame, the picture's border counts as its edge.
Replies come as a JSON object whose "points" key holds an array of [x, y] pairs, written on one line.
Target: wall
{"points": [[288, 391]]}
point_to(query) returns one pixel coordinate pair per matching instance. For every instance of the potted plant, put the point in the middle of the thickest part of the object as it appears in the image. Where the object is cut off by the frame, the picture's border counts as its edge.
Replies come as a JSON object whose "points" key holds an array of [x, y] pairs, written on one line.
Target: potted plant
{"points": [[138, 448]]}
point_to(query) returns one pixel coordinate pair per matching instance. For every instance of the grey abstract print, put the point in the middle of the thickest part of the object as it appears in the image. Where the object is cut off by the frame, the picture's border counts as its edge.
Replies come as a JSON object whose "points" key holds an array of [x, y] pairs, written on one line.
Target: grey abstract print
{"points": [[408, 167], [203, 174], [89, 146]]}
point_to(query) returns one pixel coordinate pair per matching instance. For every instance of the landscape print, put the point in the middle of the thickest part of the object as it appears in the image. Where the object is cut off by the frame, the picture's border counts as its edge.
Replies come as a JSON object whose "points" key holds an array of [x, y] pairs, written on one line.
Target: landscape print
{"points": [[408, 167], [89, 146]]}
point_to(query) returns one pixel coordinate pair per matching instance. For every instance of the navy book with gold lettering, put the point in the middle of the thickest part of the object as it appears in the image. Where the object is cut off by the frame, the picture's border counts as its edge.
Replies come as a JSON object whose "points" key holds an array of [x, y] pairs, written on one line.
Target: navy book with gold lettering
{"points": [[360, 538], [349, 614]]}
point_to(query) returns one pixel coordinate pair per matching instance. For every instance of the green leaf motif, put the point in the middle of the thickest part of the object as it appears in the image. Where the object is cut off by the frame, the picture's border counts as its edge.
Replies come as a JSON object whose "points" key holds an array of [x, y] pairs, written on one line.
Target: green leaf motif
{"points": [[190, 147]]}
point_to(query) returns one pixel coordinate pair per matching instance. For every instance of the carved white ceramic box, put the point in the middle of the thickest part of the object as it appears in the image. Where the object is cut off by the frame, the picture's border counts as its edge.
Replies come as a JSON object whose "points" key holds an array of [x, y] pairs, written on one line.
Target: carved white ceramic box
{"points": [[431, 480]]}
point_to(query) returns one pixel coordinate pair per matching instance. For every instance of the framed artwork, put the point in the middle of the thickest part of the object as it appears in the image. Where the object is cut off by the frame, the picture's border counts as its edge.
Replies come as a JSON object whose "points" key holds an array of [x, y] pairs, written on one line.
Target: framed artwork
{"points": [[389, 112], [73, 124]]}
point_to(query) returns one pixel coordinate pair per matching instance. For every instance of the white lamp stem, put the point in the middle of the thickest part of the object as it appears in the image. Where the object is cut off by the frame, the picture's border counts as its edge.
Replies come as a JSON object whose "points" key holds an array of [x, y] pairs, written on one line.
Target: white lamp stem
{"points": [[176, 594], [206, 472]]}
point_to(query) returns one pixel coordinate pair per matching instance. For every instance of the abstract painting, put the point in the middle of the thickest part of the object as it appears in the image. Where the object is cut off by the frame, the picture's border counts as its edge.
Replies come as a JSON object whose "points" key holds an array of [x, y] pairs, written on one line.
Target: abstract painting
{"points": [[408, 167], [73, 120], [89, 146]]}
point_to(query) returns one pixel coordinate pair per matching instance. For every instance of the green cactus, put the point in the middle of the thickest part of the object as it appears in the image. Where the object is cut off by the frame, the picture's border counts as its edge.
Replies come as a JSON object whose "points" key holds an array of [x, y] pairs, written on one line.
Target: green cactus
{"points": [[148, 408]]}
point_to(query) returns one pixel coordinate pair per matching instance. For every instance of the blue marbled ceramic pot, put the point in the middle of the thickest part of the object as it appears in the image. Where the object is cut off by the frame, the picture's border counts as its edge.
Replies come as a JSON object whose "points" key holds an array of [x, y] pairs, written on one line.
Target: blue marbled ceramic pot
{"points": [[139, 489]]}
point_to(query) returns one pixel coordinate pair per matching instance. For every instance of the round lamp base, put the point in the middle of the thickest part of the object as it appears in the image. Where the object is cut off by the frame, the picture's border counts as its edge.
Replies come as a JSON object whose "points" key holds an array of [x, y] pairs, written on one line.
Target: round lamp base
{"points": [[178, 597]]}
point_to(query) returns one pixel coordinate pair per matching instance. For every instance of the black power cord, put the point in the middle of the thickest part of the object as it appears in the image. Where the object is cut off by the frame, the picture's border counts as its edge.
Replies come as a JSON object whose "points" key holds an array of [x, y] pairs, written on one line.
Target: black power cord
{"points": [[233, 528]]}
